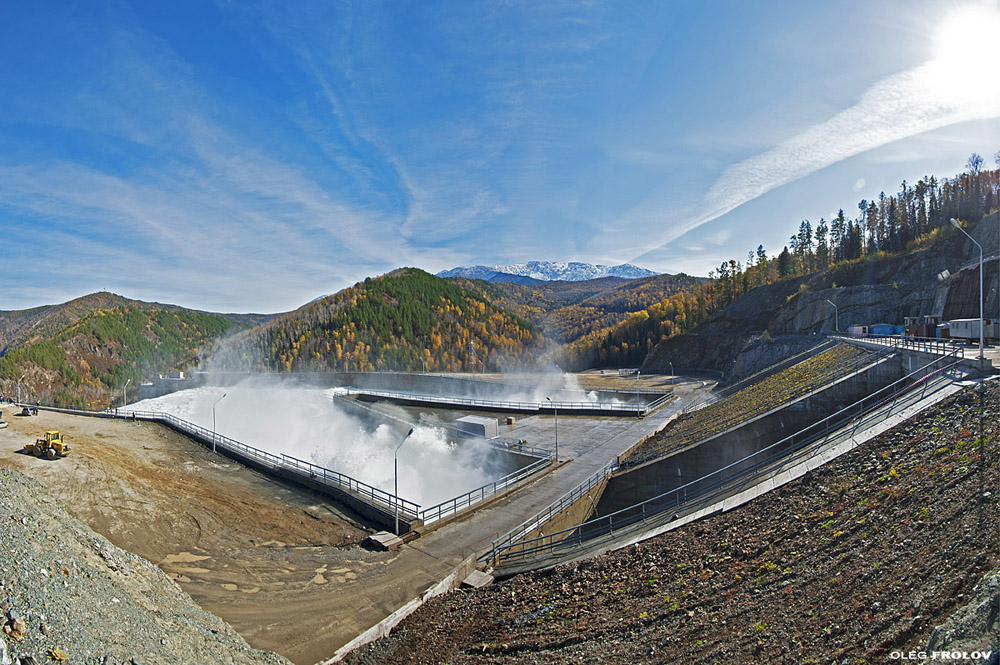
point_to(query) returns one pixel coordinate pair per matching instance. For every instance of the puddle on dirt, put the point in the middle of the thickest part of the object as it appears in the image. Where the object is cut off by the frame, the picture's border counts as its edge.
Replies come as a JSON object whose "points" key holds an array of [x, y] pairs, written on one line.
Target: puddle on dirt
{"points": [[184, 557]]}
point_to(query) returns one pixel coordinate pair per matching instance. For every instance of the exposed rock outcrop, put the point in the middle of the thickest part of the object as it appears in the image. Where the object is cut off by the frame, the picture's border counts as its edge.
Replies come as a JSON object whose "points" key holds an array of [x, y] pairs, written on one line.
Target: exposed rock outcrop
{"points": [[940, 279]]}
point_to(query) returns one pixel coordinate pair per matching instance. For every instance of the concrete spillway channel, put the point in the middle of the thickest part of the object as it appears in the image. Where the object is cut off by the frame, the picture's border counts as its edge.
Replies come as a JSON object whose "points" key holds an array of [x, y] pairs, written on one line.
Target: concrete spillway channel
{"points": [[626, 502], [379, 506]]}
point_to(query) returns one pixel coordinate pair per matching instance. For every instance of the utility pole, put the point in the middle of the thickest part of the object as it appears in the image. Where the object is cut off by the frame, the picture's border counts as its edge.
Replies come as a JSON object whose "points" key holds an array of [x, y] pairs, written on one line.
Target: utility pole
{"points": [[982, 321], [214, 436], [395, 479], [124, 396], [556, 412], [637, 414]]}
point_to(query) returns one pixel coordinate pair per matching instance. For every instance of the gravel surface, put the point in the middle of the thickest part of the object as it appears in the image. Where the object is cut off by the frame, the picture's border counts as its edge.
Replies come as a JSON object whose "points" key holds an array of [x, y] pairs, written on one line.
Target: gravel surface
{"points": [[850, 564], [67, 593], [265, 556]]}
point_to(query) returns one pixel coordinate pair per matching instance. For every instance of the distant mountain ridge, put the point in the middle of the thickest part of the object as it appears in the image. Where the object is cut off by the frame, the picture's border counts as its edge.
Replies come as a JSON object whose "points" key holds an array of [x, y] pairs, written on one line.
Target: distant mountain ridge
{"points": [[545, 271]]}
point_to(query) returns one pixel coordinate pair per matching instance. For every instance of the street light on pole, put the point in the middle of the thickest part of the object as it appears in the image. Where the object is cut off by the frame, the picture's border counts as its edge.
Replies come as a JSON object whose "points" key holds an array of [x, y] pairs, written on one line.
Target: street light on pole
{"points": [[637, 393], [954, 222], [19, 389], [124, 396], [556, 412], [836, 317], [672, 381], [213, 419], [395, 479]]}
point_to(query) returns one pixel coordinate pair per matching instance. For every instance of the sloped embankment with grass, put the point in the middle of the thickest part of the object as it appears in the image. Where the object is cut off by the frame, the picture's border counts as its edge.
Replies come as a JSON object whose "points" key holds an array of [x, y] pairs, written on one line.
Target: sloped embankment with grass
{"points": [[754, 400], [863, 557]]}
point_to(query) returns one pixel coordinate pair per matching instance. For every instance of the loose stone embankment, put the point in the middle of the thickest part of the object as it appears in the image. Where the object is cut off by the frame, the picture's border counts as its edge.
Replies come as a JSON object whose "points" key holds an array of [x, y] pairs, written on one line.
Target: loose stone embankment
{"points": [[67, 593]]}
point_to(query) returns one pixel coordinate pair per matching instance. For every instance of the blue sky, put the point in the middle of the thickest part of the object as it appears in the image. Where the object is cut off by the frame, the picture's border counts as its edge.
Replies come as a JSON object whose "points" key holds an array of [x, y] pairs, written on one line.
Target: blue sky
{"points": [[250, 156]]}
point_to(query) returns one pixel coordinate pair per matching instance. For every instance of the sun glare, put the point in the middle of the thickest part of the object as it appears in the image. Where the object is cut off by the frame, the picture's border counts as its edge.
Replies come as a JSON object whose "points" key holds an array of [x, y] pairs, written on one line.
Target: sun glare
{"points": [[966, 49]]}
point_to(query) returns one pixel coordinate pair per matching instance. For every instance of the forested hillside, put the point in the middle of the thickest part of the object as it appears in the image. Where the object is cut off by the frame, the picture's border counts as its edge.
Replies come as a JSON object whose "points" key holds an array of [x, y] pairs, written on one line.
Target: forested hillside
{"points": [[89, 360], [847, 249], [22, 327], [891, 252], [566, 311], [405, 320]]}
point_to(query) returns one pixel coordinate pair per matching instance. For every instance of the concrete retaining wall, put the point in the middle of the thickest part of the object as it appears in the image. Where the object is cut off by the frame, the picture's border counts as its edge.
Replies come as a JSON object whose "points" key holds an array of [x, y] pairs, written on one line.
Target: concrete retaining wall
{"points": [[404, 381], [660, 476]]}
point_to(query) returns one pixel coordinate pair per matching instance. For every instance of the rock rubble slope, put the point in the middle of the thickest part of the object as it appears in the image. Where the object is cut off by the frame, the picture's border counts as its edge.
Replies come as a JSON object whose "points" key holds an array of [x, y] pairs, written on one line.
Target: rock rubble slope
{"points": [[68, 594]]}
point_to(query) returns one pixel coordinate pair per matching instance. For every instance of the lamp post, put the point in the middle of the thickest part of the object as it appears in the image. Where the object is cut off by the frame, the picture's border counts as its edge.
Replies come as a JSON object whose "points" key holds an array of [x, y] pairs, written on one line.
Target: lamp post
{"points": [[672, 381], [954, 222], [395, 479], [213, 419], [637, 372], [836, 317], [124, 397], [556, 412], [19, 389]]}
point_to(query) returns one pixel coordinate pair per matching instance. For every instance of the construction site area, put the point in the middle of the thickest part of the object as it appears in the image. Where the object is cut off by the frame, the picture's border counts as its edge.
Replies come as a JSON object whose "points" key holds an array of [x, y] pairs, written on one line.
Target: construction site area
{"points": [[281, 547]]}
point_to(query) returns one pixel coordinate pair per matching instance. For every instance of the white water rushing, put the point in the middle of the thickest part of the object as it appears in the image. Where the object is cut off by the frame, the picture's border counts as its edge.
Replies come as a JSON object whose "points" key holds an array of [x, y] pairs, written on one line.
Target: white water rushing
{"points": [[303, 422]]}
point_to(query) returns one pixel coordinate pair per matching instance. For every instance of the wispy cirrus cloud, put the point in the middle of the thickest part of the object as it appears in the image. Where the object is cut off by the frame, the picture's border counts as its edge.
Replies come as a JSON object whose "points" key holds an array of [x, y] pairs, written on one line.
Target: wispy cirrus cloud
{"points": [[208, 214], [898, 107]]}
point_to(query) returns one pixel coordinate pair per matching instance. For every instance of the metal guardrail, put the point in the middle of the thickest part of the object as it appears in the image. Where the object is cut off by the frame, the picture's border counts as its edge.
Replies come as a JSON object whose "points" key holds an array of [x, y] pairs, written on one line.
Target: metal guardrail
{"points": [[546, 515], [480, 494], [320, 475], [658, 402], [712, 486], [925, 344], [503, 405]]}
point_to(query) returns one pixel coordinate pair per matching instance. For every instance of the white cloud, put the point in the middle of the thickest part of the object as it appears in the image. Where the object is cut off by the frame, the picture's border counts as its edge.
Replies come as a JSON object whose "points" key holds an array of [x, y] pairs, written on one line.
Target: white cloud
{"points": [[900, 106]]}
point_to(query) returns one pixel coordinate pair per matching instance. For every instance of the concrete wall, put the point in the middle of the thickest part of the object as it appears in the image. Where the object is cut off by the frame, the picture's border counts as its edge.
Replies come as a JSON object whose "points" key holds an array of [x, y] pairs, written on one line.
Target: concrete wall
{"points": [[517, 460], [659, 476], [408, 382]]}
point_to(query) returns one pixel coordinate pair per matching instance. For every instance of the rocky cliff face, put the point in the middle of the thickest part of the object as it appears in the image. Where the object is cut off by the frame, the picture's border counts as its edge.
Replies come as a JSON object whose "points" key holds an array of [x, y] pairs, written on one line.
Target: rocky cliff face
{"points": [[941, 279]]}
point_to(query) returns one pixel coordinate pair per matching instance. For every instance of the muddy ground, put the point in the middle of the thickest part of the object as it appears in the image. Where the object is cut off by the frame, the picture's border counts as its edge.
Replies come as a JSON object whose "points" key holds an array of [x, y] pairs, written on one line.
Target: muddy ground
{"points": [[855, 561], [265, 557]]}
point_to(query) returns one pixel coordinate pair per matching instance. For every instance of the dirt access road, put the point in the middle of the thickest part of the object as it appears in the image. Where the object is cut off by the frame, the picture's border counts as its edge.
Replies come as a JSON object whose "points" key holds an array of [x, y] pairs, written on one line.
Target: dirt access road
{"points": [[266, 557]]}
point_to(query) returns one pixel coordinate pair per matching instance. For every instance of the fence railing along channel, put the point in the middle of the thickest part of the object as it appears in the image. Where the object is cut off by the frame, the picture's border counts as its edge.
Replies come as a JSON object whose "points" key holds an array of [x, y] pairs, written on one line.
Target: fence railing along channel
{"points": [[924, 344], [316, 474], [711, 487], [544, 516]]}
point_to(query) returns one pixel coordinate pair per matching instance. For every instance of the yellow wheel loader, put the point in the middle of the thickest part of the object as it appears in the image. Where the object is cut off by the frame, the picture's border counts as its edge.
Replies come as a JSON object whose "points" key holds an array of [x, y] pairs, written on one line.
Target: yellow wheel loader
{"points": [[52, 446]]}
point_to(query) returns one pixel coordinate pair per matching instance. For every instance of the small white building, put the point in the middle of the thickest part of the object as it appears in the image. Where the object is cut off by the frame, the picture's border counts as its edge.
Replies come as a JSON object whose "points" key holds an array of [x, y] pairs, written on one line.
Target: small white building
{"points": [[479, 426], [969, 329]]}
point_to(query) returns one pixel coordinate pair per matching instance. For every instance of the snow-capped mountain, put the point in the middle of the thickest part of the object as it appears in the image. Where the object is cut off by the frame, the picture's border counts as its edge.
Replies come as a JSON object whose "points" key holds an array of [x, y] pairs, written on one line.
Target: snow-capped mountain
{"points": [[547, 271]]}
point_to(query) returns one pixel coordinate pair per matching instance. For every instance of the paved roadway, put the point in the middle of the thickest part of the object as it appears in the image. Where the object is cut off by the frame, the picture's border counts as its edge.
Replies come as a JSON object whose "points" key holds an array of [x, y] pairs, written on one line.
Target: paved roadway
{"points": [[586, 444]]}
